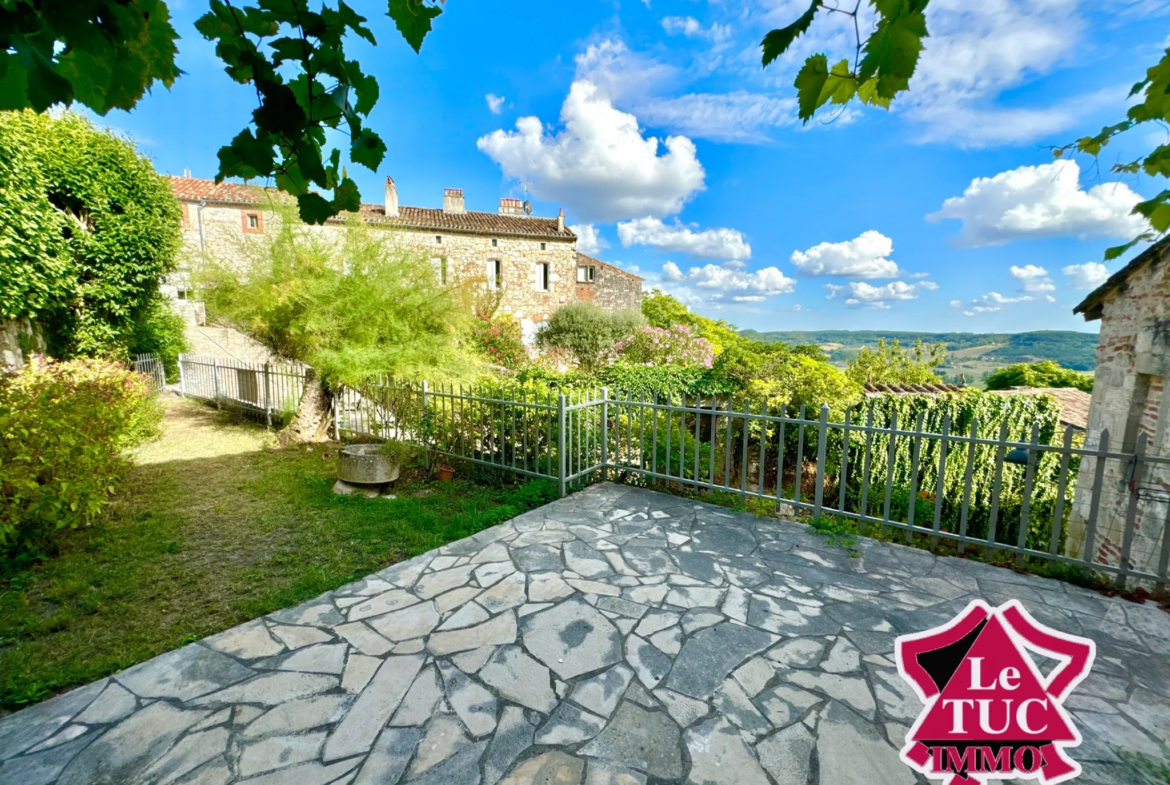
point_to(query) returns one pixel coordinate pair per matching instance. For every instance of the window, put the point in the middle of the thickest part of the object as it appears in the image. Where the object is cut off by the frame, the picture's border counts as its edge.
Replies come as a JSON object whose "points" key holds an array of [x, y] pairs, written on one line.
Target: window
{"points": [[495, 274], [542, 276], [439, 264], [253, 222], [586, 274], [494, 243], [438, 239], [182, 294], [542, 246]]}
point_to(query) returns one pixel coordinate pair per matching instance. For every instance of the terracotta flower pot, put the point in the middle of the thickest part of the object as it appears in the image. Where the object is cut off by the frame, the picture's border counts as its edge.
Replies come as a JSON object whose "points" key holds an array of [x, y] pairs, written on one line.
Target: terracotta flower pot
{"points": [[446, 473]]}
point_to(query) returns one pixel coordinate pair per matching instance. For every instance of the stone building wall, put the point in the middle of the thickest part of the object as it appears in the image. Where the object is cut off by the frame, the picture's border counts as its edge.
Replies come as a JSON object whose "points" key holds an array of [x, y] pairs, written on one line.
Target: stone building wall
{"points": [[226, 238], [612, 288], [1129, 397], [17, 335]]}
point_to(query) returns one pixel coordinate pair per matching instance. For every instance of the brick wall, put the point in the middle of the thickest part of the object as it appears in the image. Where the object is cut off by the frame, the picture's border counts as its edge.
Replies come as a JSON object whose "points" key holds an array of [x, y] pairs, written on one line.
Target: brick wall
{"points": [[1133, 359]]}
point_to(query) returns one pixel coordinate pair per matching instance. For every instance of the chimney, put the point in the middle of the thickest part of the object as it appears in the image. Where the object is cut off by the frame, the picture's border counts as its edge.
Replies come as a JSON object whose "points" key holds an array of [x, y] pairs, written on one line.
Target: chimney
{"points": [[453, 200], [561, 220], [511, 206], [391, 198]]}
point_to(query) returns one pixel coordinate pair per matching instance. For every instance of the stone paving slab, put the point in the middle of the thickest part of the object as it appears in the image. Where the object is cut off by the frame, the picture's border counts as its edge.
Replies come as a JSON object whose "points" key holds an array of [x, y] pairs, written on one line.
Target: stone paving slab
{"points": [[619, 636]]}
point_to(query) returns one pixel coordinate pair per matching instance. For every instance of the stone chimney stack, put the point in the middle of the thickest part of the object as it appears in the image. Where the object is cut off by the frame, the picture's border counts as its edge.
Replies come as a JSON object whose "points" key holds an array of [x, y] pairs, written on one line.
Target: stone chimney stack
{"points": [[511, 206], [561, 220], [453, 200], [391, 198]]}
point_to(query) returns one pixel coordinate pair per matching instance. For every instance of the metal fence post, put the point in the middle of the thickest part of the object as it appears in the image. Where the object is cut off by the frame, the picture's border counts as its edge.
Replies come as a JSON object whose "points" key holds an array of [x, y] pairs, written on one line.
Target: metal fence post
{"points": [[215, 380], [605, 433], [267, 397], [1131, 511], [182, 377], [822, 444], [561, 442]]}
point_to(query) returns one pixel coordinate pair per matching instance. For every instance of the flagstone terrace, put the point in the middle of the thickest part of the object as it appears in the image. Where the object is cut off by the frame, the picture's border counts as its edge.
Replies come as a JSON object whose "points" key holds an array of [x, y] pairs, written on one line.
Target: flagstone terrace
{"points": [[618, 635]]}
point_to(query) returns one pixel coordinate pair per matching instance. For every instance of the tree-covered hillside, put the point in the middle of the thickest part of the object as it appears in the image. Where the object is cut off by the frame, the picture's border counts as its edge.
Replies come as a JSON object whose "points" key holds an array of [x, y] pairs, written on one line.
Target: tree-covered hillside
{"points": [[1071, 349]]}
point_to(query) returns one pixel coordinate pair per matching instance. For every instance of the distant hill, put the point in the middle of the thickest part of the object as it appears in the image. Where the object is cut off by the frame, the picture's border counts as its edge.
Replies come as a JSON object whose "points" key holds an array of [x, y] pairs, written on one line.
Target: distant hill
{"points": [[971, 354]]}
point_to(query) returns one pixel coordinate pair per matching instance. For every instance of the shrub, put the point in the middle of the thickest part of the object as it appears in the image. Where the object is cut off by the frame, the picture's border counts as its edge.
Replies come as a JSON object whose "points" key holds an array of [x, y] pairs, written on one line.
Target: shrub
{"points": [[662, 310], [1042, 374], [500, 340], [658, 346], [163, 333], [893, 364], [66, 427], [587, 332]]}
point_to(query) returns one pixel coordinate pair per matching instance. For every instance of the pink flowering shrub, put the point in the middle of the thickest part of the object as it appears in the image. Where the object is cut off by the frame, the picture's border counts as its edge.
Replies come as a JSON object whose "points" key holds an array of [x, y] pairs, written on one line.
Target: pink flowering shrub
{"points": [[656, 346], [65, 429], [501, 341]]}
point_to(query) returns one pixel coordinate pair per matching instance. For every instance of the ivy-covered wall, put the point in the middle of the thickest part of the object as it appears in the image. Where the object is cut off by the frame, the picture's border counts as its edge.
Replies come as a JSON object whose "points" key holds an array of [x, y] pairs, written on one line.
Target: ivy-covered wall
{"points": [[87, 229]]}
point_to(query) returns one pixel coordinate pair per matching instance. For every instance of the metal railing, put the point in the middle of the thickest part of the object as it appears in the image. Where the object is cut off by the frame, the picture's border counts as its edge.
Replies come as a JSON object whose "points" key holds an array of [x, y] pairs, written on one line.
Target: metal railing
{"points": [[268, 390], [976, 490], [152, 367]]}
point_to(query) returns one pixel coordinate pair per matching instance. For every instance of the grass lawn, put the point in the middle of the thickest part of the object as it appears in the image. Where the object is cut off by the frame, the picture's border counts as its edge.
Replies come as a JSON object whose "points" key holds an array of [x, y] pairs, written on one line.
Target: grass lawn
{"points": [[214, 526]]}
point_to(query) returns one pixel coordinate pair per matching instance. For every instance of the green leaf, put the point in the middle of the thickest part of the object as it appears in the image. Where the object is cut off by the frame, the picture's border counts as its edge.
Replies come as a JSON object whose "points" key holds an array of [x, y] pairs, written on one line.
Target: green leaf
{"points": [[892, 52], [810, 85], [368, 150], [413, 19], [1156, 210], [777, 42], [1119, 250], [840, 85], [314, 208]]}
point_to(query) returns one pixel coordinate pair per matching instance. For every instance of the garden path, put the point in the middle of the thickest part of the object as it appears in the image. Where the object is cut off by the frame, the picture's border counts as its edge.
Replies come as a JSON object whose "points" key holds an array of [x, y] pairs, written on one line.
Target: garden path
{"points": [[616, 636]]}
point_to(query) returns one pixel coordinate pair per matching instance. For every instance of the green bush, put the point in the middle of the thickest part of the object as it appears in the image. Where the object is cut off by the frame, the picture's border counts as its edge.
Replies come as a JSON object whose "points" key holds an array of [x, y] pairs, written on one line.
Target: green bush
{"points": [[500, 340], [66, 427], [1044, 374], [587, 332], [87, 229], [892, 363], [163, 333]]}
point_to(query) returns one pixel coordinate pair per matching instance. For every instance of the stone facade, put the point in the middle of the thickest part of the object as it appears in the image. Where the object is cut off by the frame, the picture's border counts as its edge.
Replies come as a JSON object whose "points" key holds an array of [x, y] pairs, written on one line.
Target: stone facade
{"points": [[1129, 395], [18, 336], [608, 286], [528, 262]]}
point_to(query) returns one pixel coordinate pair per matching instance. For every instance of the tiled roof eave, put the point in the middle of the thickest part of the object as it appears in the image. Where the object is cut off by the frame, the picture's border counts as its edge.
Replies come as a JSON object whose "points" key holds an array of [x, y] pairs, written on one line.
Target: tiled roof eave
{"points": [[568, 238]]}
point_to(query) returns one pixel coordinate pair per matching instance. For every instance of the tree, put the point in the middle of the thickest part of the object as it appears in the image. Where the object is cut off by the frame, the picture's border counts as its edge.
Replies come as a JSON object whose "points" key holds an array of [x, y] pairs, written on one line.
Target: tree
{"points": [[1042, 374], [893, 364], [351, 302], [587, 332], [87, 229], [884, 62], [105, 54], [662, 310]]}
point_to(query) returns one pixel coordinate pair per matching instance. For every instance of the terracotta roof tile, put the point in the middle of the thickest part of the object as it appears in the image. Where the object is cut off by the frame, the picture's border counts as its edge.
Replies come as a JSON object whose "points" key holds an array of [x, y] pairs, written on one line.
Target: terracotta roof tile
{"points": [[873, 390], [1074, 403], [194, 189]]}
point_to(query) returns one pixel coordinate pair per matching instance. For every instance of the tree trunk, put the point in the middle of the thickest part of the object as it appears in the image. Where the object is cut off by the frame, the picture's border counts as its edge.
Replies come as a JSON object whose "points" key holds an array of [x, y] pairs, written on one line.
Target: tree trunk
{"points": [[313, 420]]}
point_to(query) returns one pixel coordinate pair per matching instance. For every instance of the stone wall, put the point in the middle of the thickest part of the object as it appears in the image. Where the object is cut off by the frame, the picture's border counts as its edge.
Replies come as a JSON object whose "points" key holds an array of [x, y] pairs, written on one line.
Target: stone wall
{"points": [[14, 333], [612, 288], [1133, 359], [226, 237]]}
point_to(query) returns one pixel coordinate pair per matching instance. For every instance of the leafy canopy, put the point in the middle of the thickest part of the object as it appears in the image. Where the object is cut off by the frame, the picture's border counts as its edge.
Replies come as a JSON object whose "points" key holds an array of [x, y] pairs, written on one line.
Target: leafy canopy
{"points": [[662, 310], [87, 229], [1042, 374], [892, 363], [882, 63], [105, 54], [351, 305], [587, 332]]}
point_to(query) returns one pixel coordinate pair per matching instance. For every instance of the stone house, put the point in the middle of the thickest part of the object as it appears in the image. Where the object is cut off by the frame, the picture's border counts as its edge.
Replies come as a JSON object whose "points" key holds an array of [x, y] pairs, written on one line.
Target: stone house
{"points": [[1129, 399], [530, 262]]}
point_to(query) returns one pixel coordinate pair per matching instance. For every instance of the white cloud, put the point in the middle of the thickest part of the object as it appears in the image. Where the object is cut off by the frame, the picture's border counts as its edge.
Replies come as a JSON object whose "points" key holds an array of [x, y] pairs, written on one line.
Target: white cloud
{"points": [[589, 239], [619, 73], [495, 103], [956, 303], [859, 294], [1089, 275], [721, 283], [862, 257], [1040, 201], [704, 244], [1033, 279], [975, 310], [931, 285], [738, 116], [599, 165], [689, 26]]}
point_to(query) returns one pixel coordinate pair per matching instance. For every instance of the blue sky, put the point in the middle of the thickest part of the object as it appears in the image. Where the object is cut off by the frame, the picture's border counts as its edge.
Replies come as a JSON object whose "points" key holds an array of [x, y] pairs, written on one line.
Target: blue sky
{"points": [[677, 156]]}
